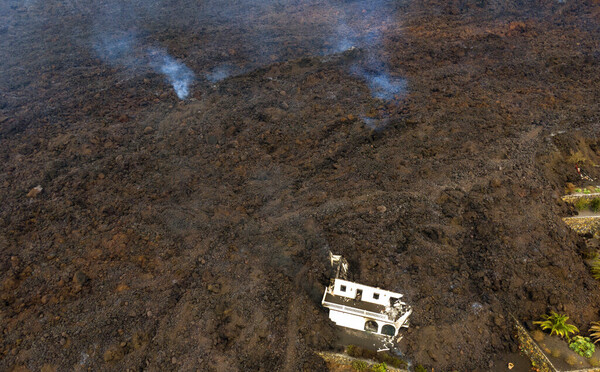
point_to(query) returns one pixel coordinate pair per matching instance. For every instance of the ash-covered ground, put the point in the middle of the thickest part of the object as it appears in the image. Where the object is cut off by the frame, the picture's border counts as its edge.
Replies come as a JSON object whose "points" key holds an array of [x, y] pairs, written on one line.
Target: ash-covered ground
{"points": [[192, 234]]}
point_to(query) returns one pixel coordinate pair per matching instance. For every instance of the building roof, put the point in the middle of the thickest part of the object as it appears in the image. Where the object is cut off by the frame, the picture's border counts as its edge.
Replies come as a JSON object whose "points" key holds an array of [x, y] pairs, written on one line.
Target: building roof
{"points": [[362, 305]]}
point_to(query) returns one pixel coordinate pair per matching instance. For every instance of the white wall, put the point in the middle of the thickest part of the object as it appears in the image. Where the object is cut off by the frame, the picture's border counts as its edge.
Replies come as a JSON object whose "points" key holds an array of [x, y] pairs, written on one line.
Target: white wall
{"points": [[353, 321], [347, 320], [367, 292]]}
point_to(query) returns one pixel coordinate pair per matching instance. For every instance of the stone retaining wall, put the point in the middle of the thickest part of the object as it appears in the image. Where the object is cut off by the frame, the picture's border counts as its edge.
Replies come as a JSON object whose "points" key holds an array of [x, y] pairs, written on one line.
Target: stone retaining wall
{"points": [[574, 197], [345, 360], [531, 349], [583, 225]]}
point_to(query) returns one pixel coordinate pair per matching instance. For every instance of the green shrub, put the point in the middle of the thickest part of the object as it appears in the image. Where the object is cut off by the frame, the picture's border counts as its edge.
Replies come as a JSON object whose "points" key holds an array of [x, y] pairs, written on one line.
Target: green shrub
{"points": [[351, 350], [383, 357], [391, 360], [582, 346], [577, 190], [381, 367], [360, 352], [586, 191], [420, 368], [581, 204], [557, 324], [595, 204], [359, 365]]}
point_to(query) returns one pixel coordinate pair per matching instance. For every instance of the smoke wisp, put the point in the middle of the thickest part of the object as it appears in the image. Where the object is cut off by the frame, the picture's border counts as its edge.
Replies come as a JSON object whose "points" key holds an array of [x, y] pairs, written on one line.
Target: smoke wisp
{"points": [[126, 51], [219, 73], [248, 34], [363, 25], [176, 73], [381, 83]]}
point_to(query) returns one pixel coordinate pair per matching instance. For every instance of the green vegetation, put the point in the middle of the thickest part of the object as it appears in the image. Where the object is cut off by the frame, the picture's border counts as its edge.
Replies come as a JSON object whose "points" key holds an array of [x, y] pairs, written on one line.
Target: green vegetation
{"points": [[582, 346], [359, 365], [570, 189], [557, 324], [351, 350], [385, 358], [595, 204], [381, 367], [595, 331], [595, 269], [591, 204], [582, 204], [420, 368]]}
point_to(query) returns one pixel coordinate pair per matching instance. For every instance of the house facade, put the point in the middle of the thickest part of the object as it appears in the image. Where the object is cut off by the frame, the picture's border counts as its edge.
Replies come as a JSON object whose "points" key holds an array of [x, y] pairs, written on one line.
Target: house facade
{"points": [[362, 307]]}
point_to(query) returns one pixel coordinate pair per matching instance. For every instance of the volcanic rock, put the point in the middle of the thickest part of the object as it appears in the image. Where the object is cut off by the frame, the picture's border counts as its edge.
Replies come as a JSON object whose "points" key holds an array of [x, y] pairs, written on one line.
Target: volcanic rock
{"points": [[79, 278], [34, 191]]}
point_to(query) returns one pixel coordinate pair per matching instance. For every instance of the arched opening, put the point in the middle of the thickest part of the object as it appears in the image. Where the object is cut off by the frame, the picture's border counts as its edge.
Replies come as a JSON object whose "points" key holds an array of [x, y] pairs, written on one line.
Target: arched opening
{"points": [[371, 326], [389, 330]]}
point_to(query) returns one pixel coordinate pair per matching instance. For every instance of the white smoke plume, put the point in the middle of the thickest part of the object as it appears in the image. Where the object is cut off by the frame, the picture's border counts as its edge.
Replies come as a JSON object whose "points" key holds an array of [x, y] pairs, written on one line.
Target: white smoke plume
{"points": [[128, 52], [177, 74], [258, 32]]}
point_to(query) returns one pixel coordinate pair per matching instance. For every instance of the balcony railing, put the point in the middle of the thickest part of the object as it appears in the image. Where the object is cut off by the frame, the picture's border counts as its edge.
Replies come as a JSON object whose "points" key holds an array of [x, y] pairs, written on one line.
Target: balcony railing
{"points": [[355, 311]]}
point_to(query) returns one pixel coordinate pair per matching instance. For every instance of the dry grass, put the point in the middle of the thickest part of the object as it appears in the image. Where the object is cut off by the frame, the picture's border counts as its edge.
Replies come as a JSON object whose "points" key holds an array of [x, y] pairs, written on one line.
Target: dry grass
{"points": [[538, 335], [571, 360]]}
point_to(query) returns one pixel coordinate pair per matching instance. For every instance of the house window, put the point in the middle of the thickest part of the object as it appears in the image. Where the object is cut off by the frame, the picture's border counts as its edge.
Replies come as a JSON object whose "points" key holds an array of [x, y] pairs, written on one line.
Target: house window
{"points": [[371, 326], [376, 296], [343, 288], [388, 330]]}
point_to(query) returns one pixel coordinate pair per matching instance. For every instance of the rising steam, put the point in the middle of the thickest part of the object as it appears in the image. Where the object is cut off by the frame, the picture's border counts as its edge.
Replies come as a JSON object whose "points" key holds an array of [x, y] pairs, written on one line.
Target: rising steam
{"points": [[219, 73], [247, 34], [362, 25], [128, 52], [381, 83], [177, 74]]}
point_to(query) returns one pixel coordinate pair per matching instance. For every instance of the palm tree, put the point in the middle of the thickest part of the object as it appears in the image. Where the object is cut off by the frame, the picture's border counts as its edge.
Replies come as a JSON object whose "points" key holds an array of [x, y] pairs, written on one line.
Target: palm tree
{"points": [[595, 331], [557, 324]]}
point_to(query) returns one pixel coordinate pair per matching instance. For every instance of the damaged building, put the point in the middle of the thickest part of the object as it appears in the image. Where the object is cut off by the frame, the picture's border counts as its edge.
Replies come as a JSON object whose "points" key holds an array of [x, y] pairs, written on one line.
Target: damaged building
{"points": [[362, 307]]}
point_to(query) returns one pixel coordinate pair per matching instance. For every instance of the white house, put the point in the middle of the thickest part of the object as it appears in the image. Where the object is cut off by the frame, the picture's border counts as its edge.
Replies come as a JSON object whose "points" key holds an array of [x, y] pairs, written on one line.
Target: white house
{"points": [[365, 308]]}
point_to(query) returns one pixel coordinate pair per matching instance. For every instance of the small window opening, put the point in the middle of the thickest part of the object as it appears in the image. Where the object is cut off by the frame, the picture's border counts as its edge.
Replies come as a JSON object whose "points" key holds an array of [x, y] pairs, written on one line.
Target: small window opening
{"points": [[343, 288], [376, 296]]}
